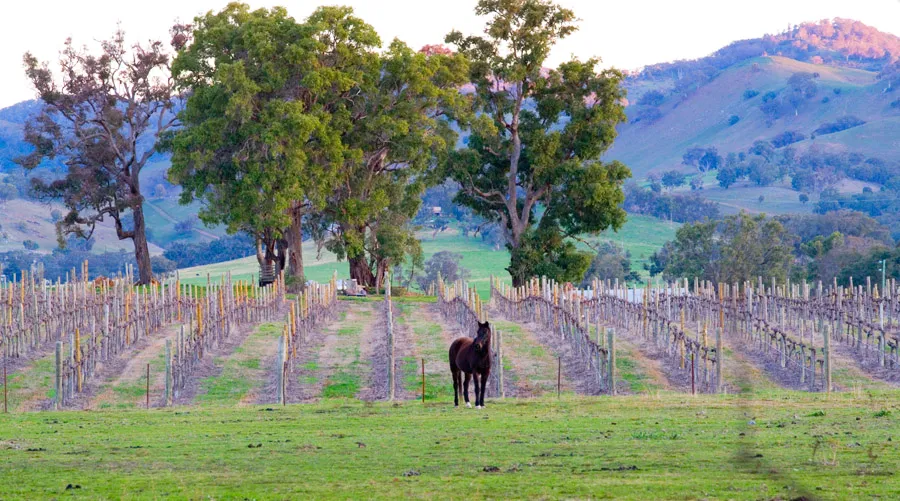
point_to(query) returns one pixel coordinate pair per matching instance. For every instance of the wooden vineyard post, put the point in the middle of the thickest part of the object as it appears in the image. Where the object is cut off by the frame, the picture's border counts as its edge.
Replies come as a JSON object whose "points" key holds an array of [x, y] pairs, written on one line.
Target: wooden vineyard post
{"points": [[390, 336], [693, 387], [79, 376], [5, 388], [168, 372], [719, 358], [611, 346], [423, 381], [279, 380], [148, 386], [57, 402], [826, 337], [558, 375]]}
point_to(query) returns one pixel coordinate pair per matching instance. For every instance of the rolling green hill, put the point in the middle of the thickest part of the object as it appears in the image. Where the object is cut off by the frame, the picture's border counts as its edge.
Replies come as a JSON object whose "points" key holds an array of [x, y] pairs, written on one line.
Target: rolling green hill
{"points": [[701, 118]]}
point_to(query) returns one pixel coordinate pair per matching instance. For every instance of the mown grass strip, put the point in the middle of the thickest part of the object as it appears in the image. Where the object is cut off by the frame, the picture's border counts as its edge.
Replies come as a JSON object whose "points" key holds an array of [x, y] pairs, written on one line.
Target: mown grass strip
{"points": [[243, 371], [772, 445]]}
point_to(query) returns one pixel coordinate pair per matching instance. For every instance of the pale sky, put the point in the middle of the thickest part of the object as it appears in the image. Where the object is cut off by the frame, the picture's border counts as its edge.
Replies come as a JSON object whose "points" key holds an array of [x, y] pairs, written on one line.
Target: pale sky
{"points": [[626, 34]]}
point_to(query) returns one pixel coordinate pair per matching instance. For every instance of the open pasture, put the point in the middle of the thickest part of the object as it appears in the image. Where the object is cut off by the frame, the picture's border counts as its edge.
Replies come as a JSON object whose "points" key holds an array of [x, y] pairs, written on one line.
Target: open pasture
{"points": [[295, 402]]}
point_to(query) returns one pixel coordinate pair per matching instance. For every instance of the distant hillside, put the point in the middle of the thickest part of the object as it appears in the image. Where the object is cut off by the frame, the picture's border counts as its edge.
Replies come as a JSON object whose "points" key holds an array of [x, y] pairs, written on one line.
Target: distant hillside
{"points": [[794, 91], [828, 76]]}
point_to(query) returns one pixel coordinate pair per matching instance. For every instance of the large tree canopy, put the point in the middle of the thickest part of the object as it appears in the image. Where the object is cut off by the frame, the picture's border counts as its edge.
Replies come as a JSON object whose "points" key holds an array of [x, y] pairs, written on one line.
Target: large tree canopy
{"points": [[735, 249], [104, 119], [292, 125], [537, 139], [269, 100], [400, 124]]}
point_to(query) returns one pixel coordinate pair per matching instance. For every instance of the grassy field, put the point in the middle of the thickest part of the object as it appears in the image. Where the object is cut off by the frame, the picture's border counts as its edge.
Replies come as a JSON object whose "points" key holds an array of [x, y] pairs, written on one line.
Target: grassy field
{"points": [[765, 446], [641, 236]]}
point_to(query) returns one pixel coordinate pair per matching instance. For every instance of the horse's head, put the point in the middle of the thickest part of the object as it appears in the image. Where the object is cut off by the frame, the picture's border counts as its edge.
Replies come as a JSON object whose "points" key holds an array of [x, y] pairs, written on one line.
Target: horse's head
{"points": [[483, 336]]}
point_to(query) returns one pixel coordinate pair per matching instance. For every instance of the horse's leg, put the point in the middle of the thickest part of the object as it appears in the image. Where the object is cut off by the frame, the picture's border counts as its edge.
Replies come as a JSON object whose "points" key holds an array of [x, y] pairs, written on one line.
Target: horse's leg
{"points": [[466, 389], [455, 375], [475, 380], [484, 379]]}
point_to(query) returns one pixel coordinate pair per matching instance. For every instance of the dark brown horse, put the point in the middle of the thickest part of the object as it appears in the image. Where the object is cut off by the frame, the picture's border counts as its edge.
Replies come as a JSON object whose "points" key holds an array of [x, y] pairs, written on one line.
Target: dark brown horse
{"points": [[472, 356]]}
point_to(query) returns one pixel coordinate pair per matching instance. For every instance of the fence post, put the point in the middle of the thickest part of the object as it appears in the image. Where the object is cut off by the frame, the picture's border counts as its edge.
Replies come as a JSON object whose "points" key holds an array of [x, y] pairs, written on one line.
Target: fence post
{"points": [[279, 380], [611, 346], [558, 376], [826, 337], [390, 338], [57, 403], [168, 372], [148, 386], [693, 374], [423, 381], [719, 358]]}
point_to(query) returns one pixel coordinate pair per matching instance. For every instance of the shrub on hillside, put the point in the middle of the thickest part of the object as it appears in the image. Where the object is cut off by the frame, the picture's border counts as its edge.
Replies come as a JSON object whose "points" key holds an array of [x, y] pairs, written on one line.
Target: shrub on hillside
{"points": [[672, 179], [733, 119], [30, 245], [787, 137], [680, 208], [843, 123], [750, 94], [647, 115], [652, 98]]}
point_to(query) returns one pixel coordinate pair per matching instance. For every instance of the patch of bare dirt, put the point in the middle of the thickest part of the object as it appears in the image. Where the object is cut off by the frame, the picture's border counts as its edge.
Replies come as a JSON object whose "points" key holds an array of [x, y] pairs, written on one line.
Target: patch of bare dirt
{"points": [[658, 367], [124, 366], [866, 364], [375, 354], [768, 363], [207, 367]]}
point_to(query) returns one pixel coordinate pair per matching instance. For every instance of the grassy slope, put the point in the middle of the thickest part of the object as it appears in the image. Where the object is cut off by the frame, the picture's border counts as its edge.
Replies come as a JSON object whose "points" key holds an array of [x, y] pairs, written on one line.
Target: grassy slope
{"points": [[29, 220], [641, 236], [700, 118], [641, 447]]}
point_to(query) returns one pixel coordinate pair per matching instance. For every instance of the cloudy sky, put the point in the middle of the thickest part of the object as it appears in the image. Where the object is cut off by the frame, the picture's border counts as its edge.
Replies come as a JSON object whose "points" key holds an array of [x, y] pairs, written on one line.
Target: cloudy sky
{"points": [[625, 33]]}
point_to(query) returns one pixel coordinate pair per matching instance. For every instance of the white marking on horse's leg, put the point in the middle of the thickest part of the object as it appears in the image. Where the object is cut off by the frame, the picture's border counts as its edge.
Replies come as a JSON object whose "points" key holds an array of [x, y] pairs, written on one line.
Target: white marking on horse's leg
{"points": [[469, 404]]}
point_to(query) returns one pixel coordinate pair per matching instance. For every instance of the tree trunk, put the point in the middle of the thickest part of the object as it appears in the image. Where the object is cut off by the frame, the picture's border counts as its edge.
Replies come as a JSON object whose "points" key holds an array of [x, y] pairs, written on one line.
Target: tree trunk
{"points": [[380, 270], [294, 237], [360, 270], [266, 263], [280, 256], [141, 249]]}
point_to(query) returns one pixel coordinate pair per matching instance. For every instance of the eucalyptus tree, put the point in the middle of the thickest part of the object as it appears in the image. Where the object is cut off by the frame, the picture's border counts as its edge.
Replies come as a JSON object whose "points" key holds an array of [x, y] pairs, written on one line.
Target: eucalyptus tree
{"points": [[104, 118], [268, 102], [401, 126], [532, 160]]}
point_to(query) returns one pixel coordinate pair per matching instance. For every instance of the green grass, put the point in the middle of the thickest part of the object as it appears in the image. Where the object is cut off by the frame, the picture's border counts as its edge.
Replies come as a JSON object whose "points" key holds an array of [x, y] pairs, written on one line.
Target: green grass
{"points": [[627, 370], [641, 236], [33, 382], [342, 385], [429, 345], [345, 380], [638, 447], [526, 361], [243, 371]]}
